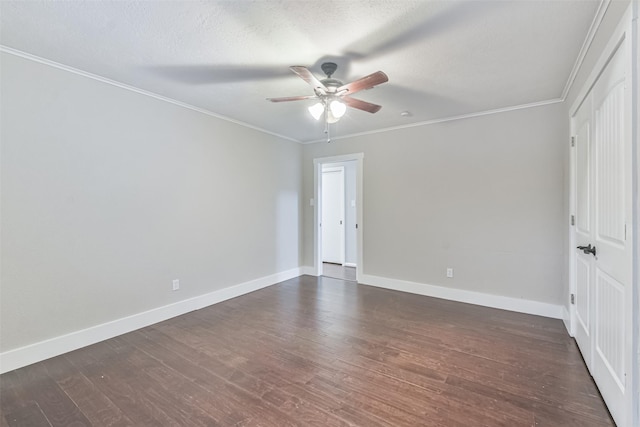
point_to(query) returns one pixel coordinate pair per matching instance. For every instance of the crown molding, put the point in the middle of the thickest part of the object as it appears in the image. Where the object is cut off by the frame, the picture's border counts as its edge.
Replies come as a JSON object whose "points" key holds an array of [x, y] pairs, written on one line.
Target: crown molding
{"points": [[593, 29], [102, 79]]}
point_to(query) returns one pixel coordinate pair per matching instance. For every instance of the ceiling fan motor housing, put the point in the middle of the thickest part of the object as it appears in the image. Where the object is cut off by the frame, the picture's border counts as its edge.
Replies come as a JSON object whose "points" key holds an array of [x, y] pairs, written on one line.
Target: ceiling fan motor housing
{"points": [[331, 84]]}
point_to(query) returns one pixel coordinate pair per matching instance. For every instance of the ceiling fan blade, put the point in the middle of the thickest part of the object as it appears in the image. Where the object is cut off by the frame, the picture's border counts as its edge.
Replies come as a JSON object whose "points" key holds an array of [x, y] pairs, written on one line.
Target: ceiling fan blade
{"points": [[291, 98], [366, 82], [308, 77], [361, 105]]}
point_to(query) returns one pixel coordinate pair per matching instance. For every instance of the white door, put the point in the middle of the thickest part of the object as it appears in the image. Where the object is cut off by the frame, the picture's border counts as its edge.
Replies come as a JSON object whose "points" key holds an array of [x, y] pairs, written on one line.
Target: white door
{"points": [[333, 215], [612, 273], [603, 209]]}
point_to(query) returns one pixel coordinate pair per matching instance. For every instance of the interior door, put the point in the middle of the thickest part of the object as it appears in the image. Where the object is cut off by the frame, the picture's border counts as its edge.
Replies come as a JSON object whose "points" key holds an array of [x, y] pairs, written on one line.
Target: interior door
{"points": [[333, 215], [584, 228], [612, 205], [603, 254]]}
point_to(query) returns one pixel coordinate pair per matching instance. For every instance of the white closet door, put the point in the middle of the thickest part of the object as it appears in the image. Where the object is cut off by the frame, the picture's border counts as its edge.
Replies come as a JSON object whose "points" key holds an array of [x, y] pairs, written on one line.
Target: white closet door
{"points": [[612, 208], [603, 264]]}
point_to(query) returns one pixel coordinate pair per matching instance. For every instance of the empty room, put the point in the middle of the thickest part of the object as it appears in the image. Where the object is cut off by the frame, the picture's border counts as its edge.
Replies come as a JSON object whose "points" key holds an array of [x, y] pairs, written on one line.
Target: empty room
{"points": [[340, 213]]}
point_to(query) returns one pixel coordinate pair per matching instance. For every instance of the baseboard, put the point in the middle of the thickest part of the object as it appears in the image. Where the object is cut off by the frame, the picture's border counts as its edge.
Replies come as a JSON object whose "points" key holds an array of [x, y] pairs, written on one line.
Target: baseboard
{"points": [[308, 270], [470, 297], [350, 264], [23, 356], [566, 319]]}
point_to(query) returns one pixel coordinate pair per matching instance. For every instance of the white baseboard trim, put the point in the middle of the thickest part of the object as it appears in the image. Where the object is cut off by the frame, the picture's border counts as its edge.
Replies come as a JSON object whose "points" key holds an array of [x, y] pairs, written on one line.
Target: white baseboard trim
{"points": [[308, 271], [23, 356], [470, 297], [350, 264], [566, 319]]}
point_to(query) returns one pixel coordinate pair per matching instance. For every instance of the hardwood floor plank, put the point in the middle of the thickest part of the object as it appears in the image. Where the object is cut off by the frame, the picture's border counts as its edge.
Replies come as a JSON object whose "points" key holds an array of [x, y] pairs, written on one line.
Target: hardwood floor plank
{"points": [[97, 407], [542, 408], [317, 352], [27, 415], [35, 384], [3, 420], [126, 388]]}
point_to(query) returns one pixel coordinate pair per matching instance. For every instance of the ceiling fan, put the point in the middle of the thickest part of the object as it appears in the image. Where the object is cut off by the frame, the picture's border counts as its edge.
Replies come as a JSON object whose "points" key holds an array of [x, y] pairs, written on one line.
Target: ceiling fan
{"points": [[334, 96]]}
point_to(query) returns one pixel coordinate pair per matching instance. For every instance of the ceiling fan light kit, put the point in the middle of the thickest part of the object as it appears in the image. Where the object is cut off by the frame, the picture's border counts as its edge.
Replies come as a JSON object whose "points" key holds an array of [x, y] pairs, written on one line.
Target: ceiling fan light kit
{"points": [[333, 112], [316, 110], [337, 108], [333, 96]]}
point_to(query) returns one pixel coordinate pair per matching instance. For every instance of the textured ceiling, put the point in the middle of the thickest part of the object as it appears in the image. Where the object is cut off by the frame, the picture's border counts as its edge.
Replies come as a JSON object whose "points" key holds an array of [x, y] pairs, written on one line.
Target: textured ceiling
{"points": [[443, 58]]}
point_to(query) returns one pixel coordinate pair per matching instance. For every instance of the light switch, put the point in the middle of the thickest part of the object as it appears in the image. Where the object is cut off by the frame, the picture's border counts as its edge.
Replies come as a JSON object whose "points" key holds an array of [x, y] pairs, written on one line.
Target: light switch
{"points": [[353, 203], [312, 202]]}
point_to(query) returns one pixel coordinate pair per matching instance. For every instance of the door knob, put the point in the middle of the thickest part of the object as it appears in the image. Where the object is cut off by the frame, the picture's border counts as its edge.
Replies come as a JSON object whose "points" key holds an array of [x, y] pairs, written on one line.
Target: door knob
{"points": [[588, 249]]}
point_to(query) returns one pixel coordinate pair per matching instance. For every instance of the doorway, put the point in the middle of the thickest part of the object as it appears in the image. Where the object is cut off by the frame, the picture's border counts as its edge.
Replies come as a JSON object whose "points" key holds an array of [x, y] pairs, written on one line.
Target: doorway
{"points": [[338, 220], [338, 216]]}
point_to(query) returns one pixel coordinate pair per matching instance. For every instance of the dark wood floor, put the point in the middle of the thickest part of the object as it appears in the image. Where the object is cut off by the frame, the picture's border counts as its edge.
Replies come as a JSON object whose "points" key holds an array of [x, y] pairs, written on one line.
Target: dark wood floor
{"points": [[337, 271], [321, 352]]}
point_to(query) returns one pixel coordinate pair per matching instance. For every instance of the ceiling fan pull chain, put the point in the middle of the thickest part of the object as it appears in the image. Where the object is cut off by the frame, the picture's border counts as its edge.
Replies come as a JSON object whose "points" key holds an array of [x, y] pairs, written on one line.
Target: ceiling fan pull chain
{"points": [[326, 122]]}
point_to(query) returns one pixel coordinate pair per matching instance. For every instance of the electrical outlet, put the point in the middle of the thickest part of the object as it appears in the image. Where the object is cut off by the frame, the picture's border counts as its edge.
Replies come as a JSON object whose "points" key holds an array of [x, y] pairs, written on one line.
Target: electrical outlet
{"points": [[176, 284], [450, 272]]}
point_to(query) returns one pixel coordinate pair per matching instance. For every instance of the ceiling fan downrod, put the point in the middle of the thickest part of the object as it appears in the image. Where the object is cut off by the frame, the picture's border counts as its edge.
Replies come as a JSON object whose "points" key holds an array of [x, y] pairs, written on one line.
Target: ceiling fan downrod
{"points": [[329, 68]]}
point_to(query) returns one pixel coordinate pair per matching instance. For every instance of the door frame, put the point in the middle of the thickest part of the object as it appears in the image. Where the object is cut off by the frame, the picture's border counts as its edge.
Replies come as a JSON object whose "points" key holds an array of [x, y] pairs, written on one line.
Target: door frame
{"points": [[627, 29], [340, 170], [635, 201], [317, 209]]}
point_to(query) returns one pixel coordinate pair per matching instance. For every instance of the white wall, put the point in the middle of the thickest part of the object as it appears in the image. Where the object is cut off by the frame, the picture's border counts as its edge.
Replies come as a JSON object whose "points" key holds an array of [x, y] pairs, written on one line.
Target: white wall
{"points": [[108, 195], [482, 195]]}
